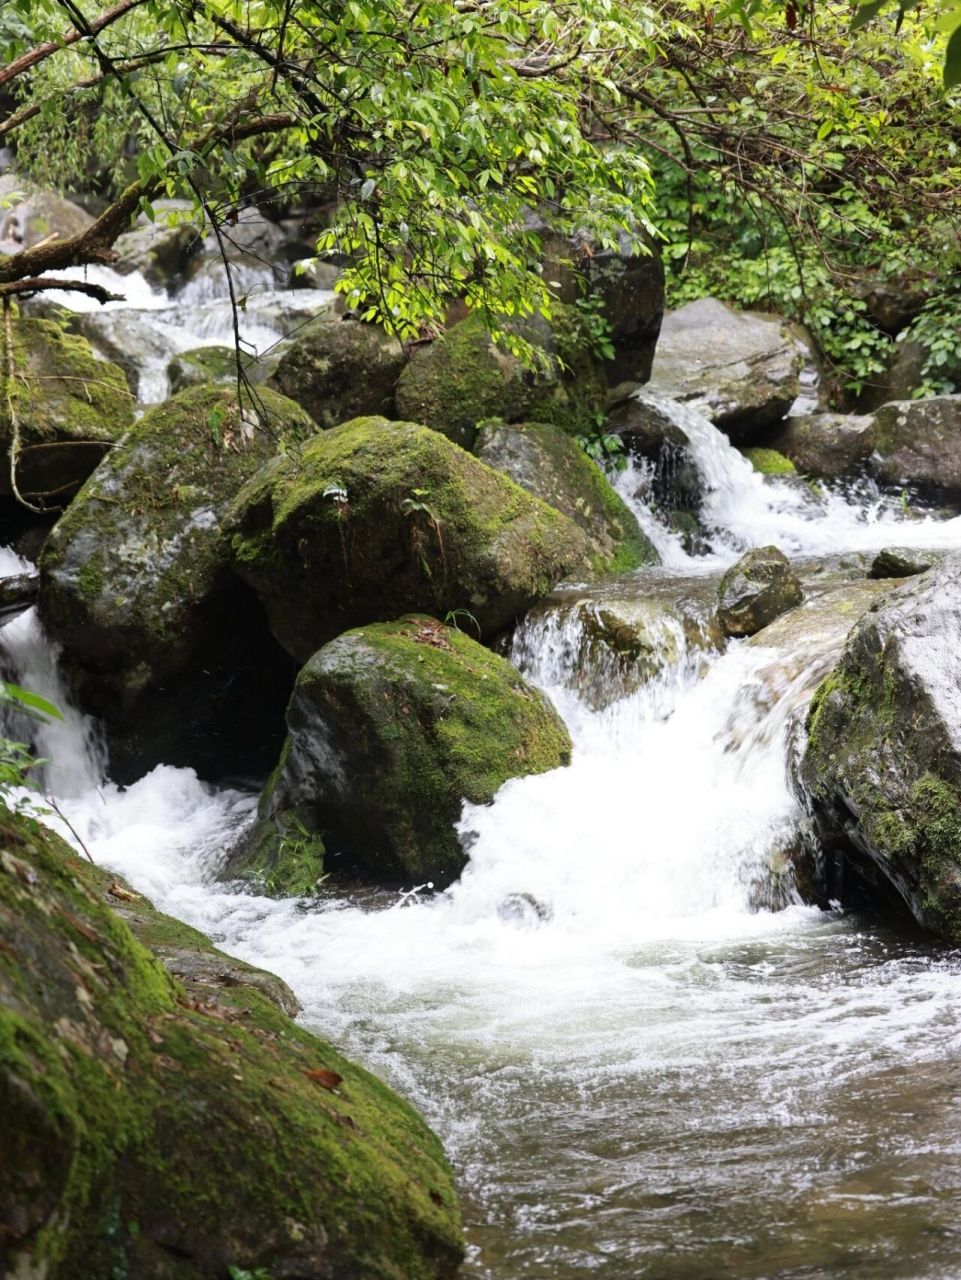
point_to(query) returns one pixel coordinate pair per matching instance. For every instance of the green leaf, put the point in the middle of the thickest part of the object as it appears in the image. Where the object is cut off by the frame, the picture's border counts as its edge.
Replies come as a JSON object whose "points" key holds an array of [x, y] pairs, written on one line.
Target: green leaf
{"points": [[867, 12], [952, 61], [30, 703]]}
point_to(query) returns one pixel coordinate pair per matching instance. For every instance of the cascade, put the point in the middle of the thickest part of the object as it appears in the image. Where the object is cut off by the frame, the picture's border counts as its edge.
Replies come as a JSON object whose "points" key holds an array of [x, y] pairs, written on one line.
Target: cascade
{"points": [[643, 1054]]}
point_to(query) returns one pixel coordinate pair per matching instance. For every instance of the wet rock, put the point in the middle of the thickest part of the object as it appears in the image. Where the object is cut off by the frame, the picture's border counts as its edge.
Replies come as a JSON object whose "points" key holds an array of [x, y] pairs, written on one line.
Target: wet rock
{"points": [[129, 339], [427, 718], [339, 369], [161, 251], [882, 766], [545, 461], [374, 519], [825, 445], [645, 423], [70, 408], [152, 1129], [756, 590], [738, 368], [158, 638], [37, 215], [17, 595], [201, 366], [620, 634], [918, 442], [901, 562]]}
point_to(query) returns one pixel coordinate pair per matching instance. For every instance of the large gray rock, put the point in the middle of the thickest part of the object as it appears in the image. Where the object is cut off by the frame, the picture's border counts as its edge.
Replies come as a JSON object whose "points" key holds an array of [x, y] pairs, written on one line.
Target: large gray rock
{"points": [[918, 442], [756, 590], [157, 636], [741, 369], [391, 728], [36, 216], [374, 519], [162, 251], [882, 766], [825, 445], [548, 463], [338, 369]]}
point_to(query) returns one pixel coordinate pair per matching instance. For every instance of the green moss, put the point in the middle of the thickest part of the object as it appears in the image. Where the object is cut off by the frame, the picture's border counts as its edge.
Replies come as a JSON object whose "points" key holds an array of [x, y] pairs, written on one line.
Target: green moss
{"points": [[90, 577], [149, 1133], [769, 462]]}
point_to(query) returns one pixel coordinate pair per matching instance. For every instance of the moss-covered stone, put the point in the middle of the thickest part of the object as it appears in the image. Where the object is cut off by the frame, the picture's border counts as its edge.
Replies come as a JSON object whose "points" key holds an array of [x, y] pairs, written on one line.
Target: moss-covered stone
{"points": [[161, 1134], [769, 462], [756, 590], [547, 462], [70, 407], [374, 519], [391, 728], [882, 766], [201, 365], [339, 369], [134, 577]]}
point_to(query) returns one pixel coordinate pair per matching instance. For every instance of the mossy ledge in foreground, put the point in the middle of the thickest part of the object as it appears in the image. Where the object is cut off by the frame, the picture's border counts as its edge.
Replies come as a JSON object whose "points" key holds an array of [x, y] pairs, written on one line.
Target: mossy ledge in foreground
{"points": [[154, 1132]]}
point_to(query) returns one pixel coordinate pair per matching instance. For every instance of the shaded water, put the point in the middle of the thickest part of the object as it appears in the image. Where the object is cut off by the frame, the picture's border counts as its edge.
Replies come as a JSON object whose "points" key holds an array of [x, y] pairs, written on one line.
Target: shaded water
{"points": [[635, 1070]]}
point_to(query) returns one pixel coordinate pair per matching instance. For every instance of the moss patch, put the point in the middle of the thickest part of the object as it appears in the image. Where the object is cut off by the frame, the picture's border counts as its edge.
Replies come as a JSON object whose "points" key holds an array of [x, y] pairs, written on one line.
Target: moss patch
{"points": [[151, 1133], [769, 462]]}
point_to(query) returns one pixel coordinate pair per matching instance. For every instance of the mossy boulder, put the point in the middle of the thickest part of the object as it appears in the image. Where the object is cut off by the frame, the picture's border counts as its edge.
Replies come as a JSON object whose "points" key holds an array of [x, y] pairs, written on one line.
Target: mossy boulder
{"points": [[548, 463], [338, 368], [756, 590], [202, 365], [918, 442], [158, 638], [902, 562], [882, 766], [463, 377], [374, 519], [70, 407], [169, 1134], [825, 445], [391, 728]]}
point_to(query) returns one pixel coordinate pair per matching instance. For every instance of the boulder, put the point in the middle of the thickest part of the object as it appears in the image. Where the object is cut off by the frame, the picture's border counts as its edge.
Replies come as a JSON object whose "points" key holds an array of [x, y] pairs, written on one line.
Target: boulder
{"points": [[651, 427], [150, 1130], [163, 252], [548, 463], [882, 765], [903, 375], [17, 595], [159, 639], [740, 369], [891, 302], [918, 442], [902, 562], [374, 519], [825, 445], [36, 215], [70, 408], [202, 365], [338, 369], [463, 377], [391, 728], [756, 590], [131, 340], [620, 634], [629, 287]]}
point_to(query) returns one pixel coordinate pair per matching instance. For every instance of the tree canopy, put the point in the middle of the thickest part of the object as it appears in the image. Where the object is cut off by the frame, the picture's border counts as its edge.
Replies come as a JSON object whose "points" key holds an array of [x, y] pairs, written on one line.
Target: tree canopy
{"points": [[446, 132]]}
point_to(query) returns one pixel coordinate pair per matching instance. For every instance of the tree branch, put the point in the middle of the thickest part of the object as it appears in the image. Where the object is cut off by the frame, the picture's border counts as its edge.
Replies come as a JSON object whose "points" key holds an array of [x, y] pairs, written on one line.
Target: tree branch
{"points": [[50, 47]]}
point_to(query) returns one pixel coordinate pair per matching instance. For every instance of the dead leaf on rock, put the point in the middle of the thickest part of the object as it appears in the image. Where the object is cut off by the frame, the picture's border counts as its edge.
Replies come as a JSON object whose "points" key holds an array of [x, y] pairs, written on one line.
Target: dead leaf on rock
{"points": [[326, 1079], [117, 890]]}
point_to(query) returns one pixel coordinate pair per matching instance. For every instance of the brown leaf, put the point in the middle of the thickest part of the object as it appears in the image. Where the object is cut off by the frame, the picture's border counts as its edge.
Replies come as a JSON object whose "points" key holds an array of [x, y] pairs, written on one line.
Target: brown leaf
{"points": [[326, 1079], [117, 890]]}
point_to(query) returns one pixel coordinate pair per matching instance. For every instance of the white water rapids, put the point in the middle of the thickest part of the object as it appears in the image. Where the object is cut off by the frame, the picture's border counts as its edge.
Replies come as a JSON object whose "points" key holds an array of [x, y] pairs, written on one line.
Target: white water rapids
{"points": [[635, 1072]]}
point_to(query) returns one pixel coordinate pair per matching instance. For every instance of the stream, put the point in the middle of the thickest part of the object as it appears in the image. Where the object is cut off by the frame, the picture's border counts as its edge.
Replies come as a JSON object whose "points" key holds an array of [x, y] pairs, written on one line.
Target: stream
{"points": [[637, 1068]]}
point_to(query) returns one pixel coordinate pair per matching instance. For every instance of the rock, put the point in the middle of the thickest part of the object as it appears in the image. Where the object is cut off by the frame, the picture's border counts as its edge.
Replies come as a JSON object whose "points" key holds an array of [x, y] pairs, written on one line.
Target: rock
{"points": [[882, 766], [340, 369], [902, 562], [129, 339], [918, 442], [546, 462], [425, 718], [37, 215], [825, 445], [17, 595], [201, 366], [158, 639], [620, 634], [768, 462], [756, 590], [648, 424], [629, 287], [463, 377], [738, 368], [891, 303], [162, 252], [70, 407], [642, 421], [155, 1131], [374, 519], [902, 377]]}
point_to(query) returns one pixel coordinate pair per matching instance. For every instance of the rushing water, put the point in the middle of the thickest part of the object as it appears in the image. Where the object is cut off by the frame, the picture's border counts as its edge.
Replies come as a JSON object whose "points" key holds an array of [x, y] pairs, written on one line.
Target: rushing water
{"points": [[635, 1070]]}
